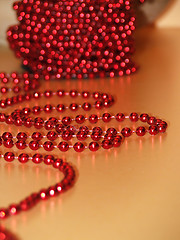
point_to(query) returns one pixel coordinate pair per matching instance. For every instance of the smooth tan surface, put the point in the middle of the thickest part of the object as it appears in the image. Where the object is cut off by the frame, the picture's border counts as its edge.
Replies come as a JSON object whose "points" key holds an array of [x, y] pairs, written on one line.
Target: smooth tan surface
{"points": [[129, 193]]}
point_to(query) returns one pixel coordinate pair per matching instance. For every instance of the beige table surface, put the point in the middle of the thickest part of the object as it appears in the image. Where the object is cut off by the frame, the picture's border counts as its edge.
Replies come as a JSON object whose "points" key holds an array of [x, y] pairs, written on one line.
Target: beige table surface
{"points": [[125, 194]]}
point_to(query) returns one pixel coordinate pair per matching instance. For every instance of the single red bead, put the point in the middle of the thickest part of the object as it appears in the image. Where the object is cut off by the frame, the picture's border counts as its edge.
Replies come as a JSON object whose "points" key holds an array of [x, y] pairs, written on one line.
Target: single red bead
{"points": [[67, 135], [134, 117], [57, 163], [86, 106], [109, 136], [97, 129], [26, 111], [8, 143], [111, 131], [60, 108], [13, 209], [2, 117], [93, 146], [38, 123], [106, 117], [37, 136], [37, 158], [97, 95], [66, 121], [141, 131], [23, 158], [80, 119], [73, 93], [48, 108], [51, 135], [9, 156], [73, 107], [85, 94], [48, 146], [126, 132], [98, 104], [96, 136], [2, 103], [60, 93], [49, 159], [48, 93], [79, 147], [43, 194], [161, 128], [152, 121], [63, 146], [120, 117], [144, 117], [18, 121], [117, 141], [49, 125], [9, 119], [20, 144], [36, 95], [21, 136], [59, 128], [3, 215], [81, 135], [153, 130], [28, 122], [106, 144], [7, 135], [36, 110], [34, 145], [93, 118], [84, 129]]}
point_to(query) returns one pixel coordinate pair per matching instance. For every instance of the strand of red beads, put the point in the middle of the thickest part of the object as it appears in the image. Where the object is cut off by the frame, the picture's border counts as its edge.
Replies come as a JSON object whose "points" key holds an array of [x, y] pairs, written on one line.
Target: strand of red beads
{"points": [[66, 129]]}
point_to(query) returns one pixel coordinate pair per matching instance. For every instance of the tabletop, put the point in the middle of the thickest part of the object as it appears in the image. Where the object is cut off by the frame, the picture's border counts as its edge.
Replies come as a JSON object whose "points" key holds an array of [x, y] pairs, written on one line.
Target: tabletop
{"points": [[127, 193]]}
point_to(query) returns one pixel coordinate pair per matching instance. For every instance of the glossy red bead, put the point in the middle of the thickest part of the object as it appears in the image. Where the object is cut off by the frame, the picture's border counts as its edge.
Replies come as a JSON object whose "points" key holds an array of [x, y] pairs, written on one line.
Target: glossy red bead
{"points": [[66, 121], [49, 159], [141, 131], [93, 118], [51, 135], [144, 117], [152, 121], [86, 106], [106, 117], [93, 146], [8, 143], [48, 146], [37, 158], [80, 119], [34, 145], [120, 117], [153, 130], [79, 147], [107, 144], [21, 144], [23, 158], [134, 117], [38, 123], [117, 141], [126, 132], [9, 156], [63, 146]]}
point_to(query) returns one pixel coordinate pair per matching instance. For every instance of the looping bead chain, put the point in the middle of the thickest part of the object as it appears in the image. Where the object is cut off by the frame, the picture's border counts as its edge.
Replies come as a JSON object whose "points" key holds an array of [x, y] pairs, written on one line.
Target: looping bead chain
{"points": [[66, 130]]}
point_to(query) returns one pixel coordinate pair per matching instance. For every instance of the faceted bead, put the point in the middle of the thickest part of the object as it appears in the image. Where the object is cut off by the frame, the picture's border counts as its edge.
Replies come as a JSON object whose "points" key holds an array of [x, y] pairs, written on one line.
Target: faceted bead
{"points": [[126, 132], [48, 146], [66, 121], [106, 144], [48, 108], [37, 158], [153, 130], [49, 125], [80, 119], [98, 130], [117, 141], [86, 106], [28, 122], [34, 145], [93, 146], [57, 163], [106, 117], [23, 158], [49, 159], [120, 117], [144, 117], [36, 110], [161, 128], [52, 135], [20, 144], [73, 107], [141, 131], [93, 118], [9, 156], [63, 146], [21, 136], [134, 117], [59, 128], [60, 108], [81, 135], [8, 143], [109, 136], [79, 147], [96, 136], [7, 135], [98, 104], [38, 123], [37, 136], [111, 131], [152, 121], [67, 135]]}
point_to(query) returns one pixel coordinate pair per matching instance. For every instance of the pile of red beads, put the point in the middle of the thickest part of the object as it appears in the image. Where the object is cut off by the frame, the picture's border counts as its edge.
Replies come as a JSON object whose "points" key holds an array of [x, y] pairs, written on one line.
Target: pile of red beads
{"points": [[74, 39]]}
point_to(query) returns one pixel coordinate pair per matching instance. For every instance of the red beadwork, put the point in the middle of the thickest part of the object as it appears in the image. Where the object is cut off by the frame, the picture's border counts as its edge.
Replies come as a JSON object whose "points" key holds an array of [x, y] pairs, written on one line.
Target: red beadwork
{"points": [[9, 156], [106, 117], [141, 131], [126, 132], [120, 117], [93, 146], [78, 147], [134, 117]]}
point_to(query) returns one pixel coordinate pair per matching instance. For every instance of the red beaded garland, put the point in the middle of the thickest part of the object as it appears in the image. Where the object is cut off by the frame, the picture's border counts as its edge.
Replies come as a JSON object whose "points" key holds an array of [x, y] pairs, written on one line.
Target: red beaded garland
{"points": [[93, 39]]}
